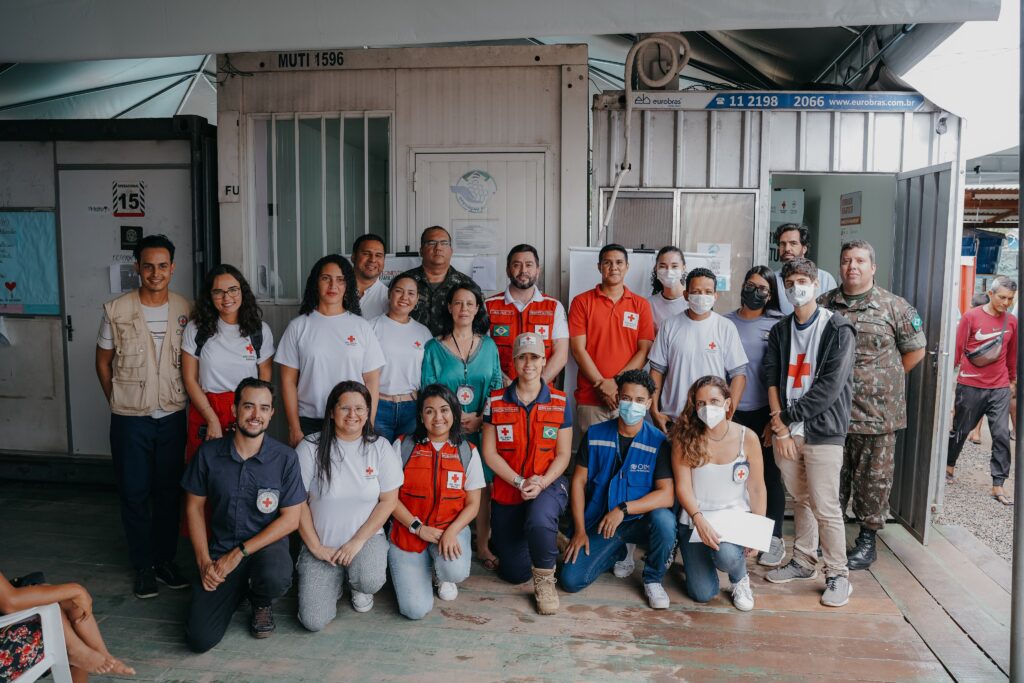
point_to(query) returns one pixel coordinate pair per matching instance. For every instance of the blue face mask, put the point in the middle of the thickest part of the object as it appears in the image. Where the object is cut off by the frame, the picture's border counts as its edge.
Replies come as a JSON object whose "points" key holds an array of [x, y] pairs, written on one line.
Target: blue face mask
{"points": [[631, 413]]}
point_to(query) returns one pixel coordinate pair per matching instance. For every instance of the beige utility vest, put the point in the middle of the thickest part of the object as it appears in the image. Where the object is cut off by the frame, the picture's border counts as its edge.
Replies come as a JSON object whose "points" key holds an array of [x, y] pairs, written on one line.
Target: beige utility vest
{"points": [[143, 383]]}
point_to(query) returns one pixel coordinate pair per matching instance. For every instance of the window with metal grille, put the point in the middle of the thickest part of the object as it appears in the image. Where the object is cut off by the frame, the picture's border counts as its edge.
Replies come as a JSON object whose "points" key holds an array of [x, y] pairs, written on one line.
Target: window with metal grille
{"points": [[320, 181]]}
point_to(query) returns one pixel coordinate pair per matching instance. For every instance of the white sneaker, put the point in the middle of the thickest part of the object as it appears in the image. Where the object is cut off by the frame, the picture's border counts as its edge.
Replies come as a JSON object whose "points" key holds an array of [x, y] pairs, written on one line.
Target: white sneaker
{"points": [[623, 568], [362, 602], [657, 598], [742, 595], [447, 591]]}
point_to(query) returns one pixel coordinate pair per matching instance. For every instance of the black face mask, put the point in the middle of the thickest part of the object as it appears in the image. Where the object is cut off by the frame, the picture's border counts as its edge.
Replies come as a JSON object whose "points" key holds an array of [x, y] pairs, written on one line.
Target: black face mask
{"points": [[753, 299]]}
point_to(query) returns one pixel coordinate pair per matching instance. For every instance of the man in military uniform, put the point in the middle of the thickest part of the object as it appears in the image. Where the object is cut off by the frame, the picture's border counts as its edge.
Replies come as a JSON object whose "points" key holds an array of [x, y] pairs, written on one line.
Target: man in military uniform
{"points": [[435, 277], [889, 344]]}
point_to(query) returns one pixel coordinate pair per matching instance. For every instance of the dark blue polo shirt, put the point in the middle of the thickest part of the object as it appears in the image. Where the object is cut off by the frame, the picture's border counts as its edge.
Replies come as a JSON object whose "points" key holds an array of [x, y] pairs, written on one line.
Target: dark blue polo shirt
{"points": [[244, 495]]}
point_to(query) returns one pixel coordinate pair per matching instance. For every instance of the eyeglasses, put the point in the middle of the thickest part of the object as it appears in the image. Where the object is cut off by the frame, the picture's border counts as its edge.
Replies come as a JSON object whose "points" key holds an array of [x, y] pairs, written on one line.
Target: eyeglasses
{"points": [[230, 291], [357, 410], [749, 287], [434, 244]]}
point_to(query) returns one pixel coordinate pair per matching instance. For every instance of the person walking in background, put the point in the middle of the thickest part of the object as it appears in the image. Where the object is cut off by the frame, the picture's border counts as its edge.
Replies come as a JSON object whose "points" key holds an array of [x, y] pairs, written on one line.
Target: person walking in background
{"points": [[668, 285]]}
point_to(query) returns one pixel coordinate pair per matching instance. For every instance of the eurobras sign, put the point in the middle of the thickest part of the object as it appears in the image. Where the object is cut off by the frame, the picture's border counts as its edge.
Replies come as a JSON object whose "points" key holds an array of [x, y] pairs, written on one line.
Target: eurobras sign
{"points": [[793, 101]]}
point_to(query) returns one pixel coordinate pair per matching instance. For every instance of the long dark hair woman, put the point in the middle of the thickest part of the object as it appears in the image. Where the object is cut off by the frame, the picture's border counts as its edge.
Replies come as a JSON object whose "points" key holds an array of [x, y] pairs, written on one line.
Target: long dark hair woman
{"points": [[438, 499], [758, 313], [328, 342], [225, 341], [717, 467], [352, 478]]}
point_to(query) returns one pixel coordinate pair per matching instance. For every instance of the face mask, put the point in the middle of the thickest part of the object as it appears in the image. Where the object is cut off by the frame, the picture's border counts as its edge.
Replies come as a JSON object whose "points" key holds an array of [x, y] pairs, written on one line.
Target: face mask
{"points": [[753, 299], [711, 415], [798, 295], [631, 413], [701, 303], [669, 278]]}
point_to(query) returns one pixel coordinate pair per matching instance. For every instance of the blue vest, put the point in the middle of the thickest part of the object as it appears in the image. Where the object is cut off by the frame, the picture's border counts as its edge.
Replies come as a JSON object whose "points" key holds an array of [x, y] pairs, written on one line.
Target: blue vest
{"points": [[606, 487]]}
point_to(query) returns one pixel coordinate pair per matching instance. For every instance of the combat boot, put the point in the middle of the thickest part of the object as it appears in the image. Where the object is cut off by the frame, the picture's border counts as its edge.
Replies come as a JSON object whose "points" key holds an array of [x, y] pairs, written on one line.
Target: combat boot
{"points": [[544, 590], [863, 553]]}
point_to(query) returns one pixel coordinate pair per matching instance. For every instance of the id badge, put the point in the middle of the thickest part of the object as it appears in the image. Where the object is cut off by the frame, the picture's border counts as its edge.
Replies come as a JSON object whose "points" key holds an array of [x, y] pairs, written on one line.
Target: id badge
{"points": [[740, 472], [465, 394]]}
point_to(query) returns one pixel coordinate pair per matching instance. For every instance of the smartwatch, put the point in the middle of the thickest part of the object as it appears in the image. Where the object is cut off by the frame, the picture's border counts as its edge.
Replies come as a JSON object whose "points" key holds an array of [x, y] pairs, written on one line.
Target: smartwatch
{"points": [[414, 525], [622, 506]]}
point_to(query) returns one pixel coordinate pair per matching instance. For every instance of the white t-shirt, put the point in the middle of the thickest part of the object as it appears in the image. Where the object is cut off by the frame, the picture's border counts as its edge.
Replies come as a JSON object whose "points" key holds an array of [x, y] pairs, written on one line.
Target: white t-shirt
{"points": [[227, 357], [826, 283], [402, 345], [685, 350], [360, 472], [327, 350], [663, 308], [374, 301], [803, 360], [156, 321], [474, 473]]}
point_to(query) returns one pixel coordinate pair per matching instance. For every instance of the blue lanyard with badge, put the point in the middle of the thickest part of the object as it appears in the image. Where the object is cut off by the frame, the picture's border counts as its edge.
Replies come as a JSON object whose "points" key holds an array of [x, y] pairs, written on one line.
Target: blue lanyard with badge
{"points": [[464, 393]]}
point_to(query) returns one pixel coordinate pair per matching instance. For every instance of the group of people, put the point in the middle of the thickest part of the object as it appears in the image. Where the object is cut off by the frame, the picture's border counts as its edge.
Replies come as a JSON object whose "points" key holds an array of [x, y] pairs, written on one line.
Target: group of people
{"points": [[420, 408]]}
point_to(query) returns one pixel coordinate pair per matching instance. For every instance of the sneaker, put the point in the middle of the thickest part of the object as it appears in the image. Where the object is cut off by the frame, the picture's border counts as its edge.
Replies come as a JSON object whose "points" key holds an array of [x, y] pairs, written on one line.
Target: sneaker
{"points": [[145, 584], [791, 572], [743, 595], [657, 598], [261, 622], [362, 602], [775, 555], [624, 568], [447, 591], [168, 574], [837, 591]]}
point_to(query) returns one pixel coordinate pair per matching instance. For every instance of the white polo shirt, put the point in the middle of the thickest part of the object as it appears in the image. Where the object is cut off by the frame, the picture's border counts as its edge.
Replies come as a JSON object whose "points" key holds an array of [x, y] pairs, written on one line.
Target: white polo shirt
{"points": [[374, 301], [685, 350], [327, 350], [360, 472], [227, 357], [560, 325], [403, 346]]}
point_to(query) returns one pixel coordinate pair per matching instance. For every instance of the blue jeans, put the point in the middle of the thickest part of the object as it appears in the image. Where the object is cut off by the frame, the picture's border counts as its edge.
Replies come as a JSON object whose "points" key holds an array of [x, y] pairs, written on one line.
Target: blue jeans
{"points": [[395, 419], [701, 563], [524, 535], [656, 530], [411, 574]]}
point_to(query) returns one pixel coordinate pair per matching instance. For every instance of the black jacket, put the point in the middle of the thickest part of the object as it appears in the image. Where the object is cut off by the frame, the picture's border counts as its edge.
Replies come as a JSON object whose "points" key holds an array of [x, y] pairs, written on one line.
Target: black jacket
{"points": [[825, 408]]}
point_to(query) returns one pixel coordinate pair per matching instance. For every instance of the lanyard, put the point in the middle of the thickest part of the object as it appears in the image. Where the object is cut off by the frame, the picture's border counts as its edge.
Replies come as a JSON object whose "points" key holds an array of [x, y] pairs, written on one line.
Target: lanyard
{"points": [[465, 360]]}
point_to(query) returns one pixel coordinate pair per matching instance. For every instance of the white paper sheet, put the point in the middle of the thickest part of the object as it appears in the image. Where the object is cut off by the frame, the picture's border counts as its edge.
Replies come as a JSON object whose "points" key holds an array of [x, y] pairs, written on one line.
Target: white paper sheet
{"points": [[742, 528]]}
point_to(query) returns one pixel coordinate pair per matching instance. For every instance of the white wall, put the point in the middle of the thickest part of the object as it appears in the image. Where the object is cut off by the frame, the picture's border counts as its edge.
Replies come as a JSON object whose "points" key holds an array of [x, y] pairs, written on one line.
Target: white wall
{"points": [[821, 214]]}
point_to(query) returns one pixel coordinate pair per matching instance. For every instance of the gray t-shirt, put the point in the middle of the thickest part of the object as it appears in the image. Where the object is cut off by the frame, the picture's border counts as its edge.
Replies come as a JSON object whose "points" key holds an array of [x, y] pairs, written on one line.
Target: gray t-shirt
{"points": [[754, 339]]}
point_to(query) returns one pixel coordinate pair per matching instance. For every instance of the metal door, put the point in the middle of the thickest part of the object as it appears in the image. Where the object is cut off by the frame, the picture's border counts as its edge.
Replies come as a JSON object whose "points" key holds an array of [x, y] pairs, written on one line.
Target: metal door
{"points": [[91, 233], [925, 208]]}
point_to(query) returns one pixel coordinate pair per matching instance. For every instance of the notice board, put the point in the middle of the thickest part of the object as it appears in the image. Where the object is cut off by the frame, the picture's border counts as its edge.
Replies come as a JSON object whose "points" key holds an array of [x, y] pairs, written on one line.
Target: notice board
{"points": [[28, 263]]}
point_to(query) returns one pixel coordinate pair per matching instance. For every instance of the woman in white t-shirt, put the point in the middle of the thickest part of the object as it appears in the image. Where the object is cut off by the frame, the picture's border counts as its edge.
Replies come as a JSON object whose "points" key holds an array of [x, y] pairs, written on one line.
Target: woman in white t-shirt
{"points": [[717, 466], [667, 283], [328, 342], [225, 342], [440, 496], [352, 477], [402, 339]]}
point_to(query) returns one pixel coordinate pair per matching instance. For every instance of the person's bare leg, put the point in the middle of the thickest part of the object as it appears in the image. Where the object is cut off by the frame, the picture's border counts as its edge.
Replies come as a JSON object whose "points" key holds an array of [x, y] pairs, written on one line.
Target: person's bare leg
{"points": [[88, 631], [83, 659], [975, 435], [483, 527]]}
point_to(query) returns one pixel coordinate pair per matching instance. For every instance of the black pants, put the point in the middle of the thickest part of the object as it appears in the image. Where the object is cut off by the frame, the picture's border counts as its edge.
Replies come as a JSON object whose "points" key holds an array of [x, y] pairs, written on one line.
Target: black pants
{"points": [[263, 576], [149, 458], [756, 421], [970, 405]]}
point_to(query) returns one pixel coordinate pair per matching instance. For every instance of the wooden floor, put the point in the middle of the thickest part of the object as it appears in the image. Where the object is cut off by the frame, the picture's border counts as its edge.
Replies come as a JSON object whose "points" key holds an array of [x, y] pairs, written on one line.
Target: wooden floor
{"points": [[491, 632]]}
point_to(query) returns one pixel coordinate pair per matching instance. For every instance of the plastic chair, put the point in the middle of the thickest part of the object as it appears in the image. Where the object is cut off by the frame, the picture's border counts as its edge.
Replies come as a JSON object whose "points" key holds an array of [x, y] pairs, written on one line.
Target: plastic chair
{"points": [[55, 653]]}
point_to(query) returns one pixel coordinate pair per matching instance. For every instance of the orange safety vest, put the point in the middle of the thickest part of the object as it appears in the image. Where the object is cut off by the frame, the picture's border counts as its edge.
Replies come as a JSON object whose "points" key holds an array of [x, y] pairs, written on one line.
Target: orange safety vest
{"points": [[434, 490], [507, 323], [526, 441]]}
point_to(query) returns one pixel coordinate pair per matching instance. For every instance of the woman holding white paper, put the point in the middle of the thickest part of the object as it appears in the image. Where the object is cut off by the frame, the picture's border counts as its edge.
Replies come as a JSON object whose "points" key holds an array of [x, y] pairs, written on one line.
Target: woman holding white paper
{"points": [[717, 466]]}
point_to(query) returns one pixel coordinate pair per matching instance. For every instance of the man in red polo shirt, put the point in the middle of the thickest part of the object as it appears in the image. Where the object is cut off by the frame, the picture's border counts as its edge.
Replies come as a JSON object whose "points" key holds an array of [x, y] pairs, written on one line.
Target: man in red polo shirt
{"points": [[611, 330]]}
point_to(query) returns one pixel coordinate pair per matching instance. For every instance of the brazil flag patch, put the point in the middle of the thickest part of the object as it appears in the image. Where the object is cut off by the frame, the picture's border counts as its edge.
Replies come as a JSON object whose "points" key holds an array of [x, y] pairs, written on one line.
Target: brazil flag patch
{"points": [[500, 331], [550, 433]]}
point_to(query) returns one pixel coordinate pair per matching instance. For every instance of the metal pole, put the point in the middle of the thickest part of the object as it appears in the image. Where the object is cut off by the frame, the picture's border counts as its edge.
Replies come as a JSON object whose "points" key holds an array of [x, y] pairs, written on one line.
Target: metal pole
{"points": [[1017, 592]]}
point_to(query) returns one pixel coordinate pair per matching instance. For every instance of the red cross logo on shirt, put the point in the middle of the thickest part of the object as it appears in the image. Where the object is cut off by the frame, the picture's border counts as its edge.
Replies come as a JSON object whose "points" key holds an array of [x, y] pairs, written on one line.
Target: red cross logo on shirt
{"points": [[631, 317], [799, 371], [250, 349], [417, 344], [456, 478], [369, 471], [712, 346], [504, 431], [351, 339], [268, 502]]}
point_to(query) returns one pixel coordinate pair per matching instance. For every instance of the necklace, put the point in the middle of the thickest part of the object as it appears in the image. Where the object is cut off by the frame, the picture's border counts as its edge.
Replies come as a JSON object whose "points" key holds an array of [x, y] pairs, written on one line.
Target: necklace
{"points": [[727, 429]]}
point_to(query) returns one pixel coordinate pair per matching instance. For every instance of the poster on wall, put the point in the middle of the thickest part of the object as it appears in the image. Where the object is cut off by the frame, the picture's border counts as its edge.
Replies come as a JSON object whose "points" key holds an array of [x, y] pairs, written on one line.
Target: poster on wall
{"points": [[716, 257], [849, 215], [28, 263]]}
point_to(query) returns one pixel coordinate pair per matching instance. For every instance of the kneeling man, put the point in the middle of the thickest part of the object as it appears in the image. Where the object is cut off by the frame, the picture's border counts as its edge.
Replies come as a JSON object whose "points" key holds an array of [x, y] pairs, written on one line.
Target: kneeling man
{"points": [[622, 494], [253, 486]]}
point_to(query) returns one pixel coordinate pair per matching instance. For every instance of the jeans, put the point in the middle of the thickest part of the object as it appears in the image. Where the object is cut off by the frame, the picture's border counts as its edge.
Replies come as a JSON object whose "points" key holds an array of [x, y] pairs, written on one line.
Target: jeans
{"points": [[411, 573], [701, 563], [656, 530], [395, 419], [524, 535], [149, 459], [756, 420], [321, 584], [264, 576]]}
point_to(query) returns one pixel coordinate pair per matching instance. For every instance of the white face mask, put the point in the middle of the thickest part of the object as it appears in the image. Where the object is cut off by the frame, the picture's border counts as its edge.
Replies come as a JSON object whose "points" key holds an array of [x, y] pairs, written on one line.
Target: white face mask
{"points": [[711, 415], [669, 278], [701, 303], [798, 295]]}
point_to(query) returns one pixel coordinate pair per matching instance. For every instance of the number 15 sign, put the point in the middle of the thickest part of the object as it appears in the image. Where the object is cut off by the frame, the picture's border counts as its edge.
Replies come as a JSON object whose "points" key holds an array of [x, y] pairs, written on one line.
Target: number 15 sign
{"points": [[129, 199]]}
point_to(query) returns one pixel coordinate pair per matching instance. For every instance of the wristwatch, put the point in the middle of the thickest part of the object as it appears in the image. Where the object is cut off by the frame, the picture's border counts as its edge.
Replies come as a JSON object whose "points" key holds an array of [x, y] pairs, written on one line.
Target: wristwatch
{"points": [[519, 481], [414, 525], [241, 549], [622, 506]]}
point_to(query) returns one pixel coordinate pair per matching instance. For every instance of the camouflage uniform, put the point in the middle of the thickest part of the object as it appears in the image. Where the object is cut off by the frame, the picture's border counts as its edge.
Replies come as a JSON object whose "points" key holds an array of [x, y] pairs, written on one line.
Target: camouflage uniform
{"points": [[431, 307], [887, 327]]}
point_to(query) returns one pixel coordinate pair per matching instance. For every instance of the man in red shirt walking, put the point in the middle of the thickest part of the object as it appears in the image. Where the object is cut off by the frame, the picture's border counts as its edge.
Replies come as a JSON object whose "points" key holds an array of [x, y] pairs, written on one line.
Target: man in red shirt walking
{"points": [[986, 352]]}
